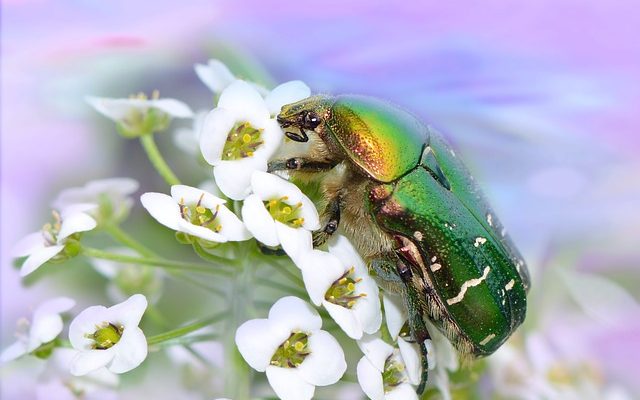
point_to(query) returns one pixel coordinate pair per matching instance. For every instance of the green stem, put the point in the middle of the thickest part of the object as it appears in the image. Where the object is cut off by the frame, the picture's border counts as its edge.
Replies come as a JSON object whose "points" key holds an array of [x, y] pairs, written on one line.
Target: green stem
{"points": [[237, 382], [179, 332], [154, 262], [157, 160], [124, 238]]}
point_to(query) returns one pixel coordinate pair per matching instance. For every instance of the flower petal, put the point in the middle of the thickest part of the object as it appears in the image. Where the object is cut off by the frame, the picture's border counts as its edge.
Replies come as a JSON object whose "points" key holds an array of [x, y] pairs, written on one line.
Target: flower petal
{"points": [[269, 186], [296, 242], [286, 93], [367, 308], [243, 99], [319, 271], [85, 323], [234, 177], [215, 75], [200, 231], [370, 379], [163, 208], [257, 342], [325, 365], [217, 125], [75, 223], [258, 221], [290, 314], [410, 353], [345, 318], [28, 244], [14, 351], [192, 196], [129, 312], [47, 323], [175, 108], [91, 360], [39, 257], [376, 350], [231, 226], [130, 351], [395, 314], [288, 384], [404, 391]]}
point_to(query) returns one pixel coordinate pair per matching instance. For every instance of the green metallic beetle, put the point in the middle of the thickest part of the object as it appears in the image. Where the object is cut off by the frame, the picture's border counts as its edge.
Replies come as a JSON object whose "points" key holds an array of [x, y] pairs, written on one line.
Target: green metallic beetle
{"points": [[414, 213]]}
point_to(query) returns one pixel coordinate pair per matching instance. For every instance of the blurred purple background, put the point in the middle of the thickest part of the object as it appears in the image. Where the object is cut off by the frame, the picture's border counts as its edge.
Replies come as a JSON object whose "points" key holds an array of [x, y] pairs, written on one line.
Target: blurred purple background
{"points": [[541, 99]]}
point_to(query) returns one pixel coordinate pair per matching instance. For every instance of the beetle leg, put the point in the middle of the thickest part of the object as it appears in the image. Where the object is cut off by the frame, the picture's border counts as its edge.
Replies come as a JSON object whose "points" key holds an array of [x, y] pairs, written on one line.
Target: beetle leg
{"points": [[300, 164], [333, 212], [416, 322]]}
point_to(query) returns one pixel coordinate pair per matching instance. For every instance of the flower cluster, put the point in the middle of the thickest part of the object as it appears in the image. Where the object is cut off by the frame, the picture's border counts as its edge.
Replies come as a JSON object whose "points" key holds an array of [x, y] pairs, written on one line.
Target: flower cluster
{"points": [[240, 223]]}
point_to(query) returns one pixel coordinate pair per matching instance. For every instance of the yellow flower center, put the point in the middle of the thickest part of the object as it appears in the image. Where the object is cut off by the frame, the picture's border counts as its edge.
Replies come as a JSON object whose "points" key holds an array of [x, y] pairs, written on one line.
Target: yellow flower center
{"points": [[343, 291], [242, 141], [284, 212], [292, 351]]}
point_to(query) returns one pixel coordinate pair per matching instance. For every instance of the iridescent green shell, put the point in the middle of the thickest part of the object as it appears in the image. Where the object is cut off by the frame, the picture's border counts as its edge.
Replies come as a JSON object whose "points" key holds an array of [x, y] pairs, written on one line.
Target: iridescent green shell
{"points": [[475, 275], [384, 141]]}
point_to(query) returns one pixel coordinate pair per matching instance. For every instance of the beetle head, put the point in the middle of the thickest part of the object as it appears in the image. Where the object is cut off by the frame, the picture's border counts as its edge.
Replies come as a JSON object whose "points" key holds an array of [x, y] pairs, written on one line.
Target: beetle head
{"points": [[304, 115]]}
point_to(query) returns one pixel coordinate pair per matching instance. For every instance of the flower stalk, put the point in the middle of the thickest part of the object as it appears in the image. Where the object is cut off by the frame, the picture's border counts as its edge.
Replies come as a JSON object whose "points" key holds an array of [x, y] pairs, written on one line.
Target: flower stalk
{"points": [[159, 163]]}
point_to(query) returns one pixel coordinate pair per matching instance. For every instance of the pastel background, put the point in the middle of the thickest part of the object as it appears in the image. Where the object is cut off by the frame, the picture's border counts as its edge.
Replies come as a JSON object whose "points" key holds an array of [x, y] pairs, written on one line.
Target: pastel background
{"points": [[541, 99]]}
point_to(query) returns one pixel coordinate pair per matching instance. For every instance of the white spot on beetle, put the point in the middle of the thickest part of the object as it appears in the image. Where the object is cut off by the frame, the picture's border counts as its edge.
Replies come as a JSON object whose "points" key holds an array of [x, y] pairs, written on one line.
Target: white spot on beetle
{"points": [[509, 285], [435, 267], [418, 235], [433, 259], [479, 241], [467, 285], [453, 153], [487, 339], [490, 219]]}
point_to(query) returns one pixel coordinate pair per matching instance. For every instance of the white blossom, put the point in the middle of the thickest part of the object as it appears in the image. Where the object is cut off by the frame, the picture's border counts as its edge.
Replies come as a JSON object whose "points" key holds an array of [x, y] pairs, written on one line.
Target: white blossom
{"points": [[196, 213], [383, 373], [46, 324], [57, 240], [128, 279], [442, 358], [139, 115], [109, 337], [240, 134], [215, 75], [112, 196], [57, 383], [290, 347], [339, 281], [278, 213]]}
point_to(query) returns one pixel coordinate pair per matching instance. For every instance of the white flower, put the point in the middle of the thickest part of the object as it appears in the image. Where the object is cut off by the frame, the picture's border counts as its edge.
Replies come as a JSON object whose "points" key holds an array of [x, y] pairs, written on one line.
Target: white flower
{"points": [[188, 139], [441, 355], [112, 196], [49, 243], [57, 383], [290, 347], [45, 326], [278, 213], [109, 337], [196, 213], [128, 279], [215, 75], [384, 374], [138, 116], [240, 135], [339, 280]]}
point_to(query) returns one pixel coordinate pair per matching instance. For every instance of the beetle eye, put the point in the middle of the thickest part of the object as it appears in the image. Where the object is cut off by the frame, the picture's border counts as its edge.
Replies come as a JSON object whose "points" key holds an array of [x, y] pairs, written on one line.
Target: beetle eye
{"points": [[311, 120]]}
